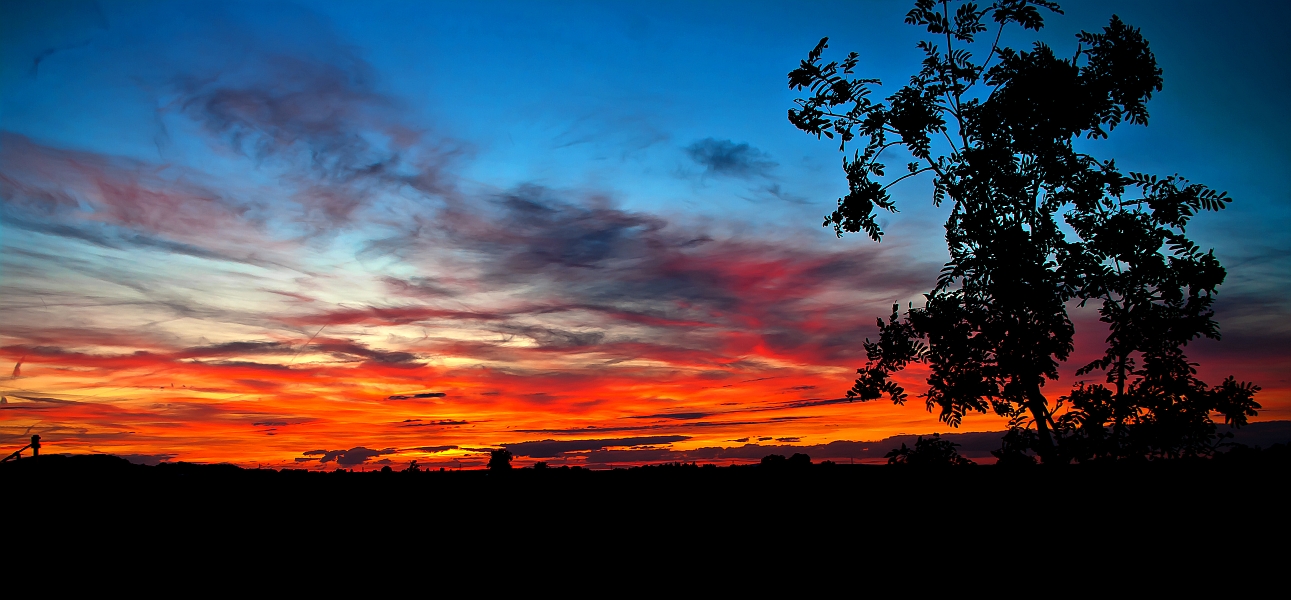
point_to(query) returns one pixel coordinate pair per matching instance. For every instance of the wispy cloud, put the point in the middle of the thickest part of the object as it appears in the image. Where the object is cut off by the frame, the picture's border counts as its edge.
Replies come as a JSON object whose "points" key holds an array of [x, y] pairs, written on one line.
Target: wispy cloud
{"points": [[729, 159]]}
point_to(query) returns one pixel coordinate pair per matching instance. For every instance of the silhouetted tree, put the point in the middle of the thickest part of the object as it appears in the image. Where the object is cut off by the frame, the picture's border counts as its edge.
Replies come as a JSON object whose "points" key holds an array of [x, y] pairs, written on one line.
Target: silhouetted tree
{"points": [[500, 460], [1015, 448], [773, 461], [928, 452], [540, 465], [997, 139]]}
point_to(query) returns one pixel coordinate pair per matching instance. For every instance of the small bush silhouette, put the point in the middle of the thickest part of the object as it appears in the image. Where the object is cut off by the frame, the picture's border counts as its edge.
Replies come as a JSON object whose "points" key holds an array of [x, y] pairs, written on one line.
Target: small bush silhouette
{"points": [[1013, 448], [928, 452]]}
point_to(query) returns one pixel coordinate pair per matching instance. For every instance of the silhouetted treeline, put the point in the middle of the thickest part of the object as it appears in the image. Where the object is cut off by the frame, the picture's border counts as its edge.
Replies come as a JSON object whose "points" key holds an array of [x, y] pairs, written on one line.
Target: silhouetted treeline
{"points": [[928, 452], [95, 503]]}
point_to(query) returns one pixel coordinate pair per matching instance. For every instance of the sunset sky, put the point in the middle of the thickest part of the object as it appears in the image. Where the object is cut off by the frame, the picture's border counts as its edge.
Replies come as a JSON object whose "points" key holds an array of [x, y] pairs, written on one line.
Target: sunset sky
{"points": [[356, 233]]}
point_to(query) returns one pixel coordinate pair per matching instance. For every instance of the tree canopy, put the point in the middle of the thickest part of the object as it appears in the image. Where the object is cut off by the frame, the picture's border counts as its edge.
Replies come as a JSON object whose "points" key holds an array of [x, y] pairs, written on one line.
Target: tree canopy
{"points": [[1036, 225], [928, 452], [500, 460]]}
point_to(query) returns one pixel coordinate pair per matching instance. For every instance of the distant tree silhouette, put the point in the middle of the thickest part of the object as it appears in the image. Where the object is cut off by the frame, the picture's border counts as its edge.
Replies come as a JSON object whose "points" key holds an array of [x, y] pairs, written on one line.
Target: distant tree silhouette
{"points": [[771, 461], [1035, 224], [500, 460], [1015, 448], [778, 461], [928, 452], [540, 465]]}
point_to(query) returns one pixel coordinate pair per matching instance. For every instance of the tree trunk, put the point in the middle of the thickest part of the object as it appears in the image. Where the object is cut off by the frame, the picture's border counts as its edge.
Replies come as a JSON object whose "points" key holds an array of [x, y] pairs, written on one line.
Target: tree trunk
{"points": [[1039, 407]]}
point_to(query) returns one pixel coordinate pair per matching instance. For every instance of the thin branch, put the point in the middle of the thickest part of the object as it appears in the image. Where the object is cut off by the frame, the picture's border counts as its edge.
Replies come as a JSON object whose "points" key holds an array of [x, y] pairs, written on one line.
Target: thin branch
{"points": [[906, 176], [935, 168], [882, 149], [994, 46], [952, 143], [950, 50]]}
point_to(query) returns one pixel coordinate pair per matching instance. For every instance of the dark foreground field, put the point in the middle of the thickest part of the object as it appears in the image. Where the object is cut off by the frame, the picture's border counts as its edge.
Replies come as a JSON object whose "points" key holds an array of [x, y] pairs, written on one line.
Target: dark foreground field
{"points": [[1219, 525], [1224, 501]]}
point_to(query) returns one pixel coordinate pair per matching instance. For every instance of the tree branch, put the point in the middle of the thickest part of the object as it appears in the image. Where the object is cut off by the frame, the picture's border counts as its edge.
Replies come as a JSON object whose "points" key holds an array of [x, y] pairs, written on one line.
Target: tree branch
{"points": [[906, 176]]}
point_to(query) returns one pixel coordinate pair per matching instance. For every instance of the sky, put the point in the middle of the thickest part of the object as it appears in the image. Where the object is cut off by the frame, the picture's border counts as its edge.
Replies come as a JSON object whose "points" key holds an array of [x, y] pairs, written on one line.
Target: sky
{"points": [[345, 234]]}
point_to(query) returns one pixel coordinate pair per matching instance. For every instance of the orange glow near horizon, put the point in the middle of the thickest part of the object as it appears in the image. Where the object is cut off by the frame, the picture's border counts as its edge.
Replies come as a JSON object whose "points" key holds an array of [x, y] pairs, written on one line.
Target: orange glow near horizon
{"points": [[284, 405]]}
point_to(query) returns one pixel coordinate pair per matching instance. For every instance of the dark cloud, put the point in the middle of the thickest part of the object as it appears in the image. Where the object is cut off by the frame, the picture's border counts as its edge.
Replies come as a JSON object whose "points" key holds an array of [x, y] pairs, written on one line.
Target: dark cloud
{"points": [[106, 235], [550, 236], [246, 364], [625, 130], [434, 449], [1262, 434], [773, 190], [553, 448], [345, 458], [120, 204], [724, 157], [686, 296], [390, 315], [680, 415], [601, 457], [419, 287], [551, 337], [840, 451], [321, 116], [235, 349], [412, 396], [42, 399], [439, 423], [343, 348], [669, 426], [976, 446], [48, 52]]}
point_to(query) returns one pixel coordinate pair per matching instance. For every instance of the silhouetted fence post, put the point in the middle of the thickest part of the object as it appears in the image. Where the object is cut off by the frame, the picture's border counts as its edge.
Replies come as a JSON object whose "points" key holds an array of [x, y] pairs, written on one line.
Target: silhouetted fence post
{"points": [[35, 450]]}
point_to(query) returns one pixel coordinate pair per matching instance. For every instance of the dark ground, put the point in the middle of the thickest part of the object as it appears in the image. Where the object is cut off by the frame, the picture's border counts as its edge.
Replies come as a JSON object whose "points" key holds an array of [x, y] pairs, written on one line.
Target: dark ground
{"points": [[1232, 498], [811, 530]]}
